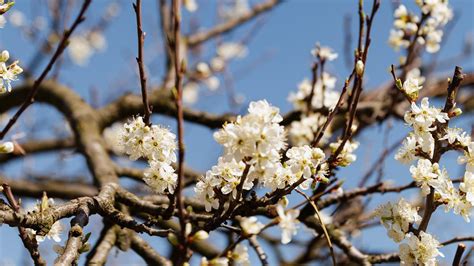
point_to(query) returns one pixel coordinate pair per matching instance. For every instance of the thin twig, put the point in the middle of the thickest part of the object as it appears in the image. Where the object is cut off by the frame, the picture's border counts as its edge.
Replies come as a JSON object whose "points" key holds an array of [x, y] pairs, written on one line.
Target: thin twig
{"points": [[141, 68], [259, 250], [59, 50], [331, 249], [179, 67], [200, 37]]}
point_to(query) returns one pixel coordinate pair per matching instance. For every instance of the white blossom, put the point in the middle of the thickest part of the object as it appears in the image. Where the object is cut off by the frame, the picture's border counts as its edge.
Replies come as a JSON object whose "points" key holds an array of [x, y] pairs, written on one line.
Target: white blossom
{"points": [[424, 115], [8, 73], [156, 144], [421, 250], [468, 158], [230, 172], [160, 176], [302, 131], [79, 50], [112, 136], [327, 99], [190, 93], [3, 21], [204, 190], [288, 223], [415, 73], [396, 218], [407, 153], [303, 162], [220, 261], [467, 186], [56, 229], [424, 174], [234, 9], [347, 156], [433, 40], [190, 5], [150, 142], [17, 18], [397, 40], [7, 147], [54, 233], [240, 255], [250, 225], [452, 134], [411, 86], [324, 53], [230, 50], [83, 46]]}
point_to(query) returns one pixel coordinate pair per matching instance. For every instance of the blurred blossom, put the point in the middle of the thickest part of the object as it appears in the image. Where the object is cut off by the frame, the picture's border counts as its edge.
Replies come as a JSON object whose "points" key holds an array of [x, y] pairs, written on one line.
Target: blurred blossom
{"points": [[113, 9], [233, 9], [82, 47], [230, 50], [3, 21], [79, 50], [212, 83], [190, 5], [17, 18], [40, 23], [191, 93]]}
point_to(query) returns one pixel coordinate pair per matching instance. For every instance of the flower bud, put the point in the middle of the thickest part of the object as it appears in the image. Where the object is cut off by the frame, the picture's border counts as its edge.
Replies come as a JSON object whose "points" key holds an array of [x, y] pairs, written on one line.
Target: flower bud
{"points": [[4, 56], [456, 112], [399, 84], [7, 147], [360, 68], [201, 235], [187, 229], [173, 239]]}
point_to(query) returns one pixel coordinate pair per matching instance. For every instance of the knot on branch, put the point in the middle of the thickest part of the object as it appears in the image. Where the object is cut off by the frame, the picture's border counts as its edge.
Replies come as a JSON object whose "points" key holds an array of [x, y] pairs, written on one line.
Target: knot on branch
{"points": [[76, 230]]}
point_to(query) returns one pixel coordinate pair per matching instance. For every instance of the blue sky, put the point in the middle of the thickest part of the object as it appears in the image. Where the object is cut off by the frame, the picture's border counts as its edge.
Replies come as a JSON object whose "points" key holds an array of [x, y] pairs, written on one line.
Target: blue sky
{"points": [[279, 58]]}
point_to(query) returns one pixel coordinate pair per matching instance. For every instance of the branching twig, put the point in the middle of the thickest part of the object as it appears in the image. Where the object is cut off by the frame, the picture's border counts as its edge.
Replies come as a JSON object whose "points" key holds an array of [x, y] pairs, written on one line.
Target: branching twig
{"points": [[29, 241], [227, 26], [59, 50]]}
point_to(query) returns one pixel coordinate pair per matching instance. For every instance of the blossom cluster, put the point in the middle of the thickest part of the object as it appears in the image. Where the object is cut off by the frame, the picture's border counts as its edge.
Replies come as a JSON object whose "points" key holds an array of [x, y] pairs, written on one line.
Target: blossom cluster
{"points": [[397, 218], [419, 250], [204, 73], [82, 47], [157, 145], [425, 30], [420, 145], [323, 95], [8, 72], [327, 99], [430, 133], [252, 155]]}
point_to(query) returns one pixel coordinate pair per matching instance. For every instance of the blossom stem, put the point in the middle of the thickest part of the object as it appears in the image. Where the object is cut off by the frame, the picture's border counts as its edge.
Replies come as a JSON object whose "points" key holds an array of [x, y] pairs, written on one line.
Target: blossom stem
{"points": [[141, 68], [328, 239]]}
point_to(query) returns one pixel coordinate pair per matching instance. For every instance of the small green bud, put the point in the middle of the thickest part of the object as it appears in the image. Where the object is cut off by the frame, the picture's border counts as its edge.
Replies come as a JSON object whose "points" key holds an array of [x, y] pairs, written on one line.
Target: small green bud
{"points": [[173, 239]]}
